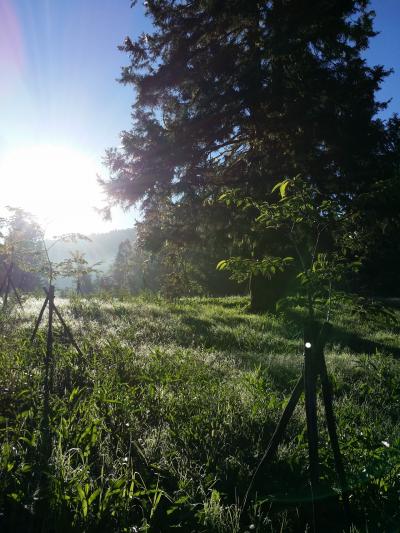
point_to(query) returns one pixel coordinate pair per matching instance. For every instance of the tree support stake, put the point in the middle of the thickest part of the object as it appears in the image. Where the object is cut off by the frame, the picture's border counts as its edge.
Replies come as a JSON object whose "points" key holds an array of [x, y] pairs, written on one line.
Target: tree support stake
{"points": [[314, 367]]}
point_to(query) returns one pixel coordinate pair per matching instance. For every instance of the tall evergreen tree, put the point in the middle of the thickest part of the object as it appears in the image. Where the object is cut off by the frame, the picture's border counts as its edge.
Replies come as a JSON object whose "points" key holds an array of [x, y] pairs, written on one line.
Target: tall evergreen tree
{"points": [[240, 94]]}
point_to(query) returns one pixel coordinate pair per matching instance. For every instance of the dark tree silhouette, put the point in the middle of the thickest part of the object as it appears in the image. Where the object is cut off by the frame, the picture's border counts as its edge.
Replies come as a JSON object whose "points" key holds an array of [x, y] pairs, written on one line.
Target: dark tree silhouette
{"points": [[241, 94]]}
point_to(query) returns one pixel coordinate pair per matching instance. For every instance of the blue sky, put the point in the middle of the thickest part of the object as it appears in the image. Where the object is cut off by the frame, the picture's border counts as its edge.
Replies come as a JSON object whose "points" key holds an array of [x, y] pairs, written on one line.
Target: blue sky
{"points": [[385, 50], [59, 63], [65, 86]]}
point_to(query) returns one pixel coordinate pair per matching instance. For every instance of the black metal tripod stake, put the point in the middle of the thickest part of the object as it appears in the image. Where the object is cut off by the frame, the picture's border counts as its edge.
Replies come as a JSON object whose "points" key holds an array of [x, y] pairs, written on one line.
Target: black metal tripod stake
{"points": [[8, 284], [53, 310], [48, 387], [314, 367]]}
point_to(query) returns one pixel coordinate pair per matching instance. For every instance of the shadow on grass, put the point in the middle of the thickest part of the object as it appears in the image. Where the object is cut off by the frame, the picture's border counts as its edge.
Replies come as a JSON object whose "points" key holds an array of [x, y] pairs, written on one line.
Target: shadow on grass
{"points": [[349, 339], [359, 344], [219, 333]]}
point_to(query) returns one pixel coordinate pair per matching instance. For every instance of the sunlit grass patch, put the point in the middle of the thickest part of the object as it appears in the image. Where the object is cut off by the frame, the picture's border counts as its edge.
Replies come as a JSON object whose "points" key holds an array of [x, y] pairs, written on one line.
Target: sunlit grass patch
{"points": [[167, 416]]}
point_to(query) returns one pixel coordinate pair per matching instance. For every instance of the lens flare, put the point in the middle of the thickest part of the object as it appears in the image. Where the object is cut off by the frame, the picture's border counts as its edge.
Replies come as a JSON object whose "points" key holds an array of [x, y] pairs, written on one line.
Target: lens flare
{"points": [[11, 47]]}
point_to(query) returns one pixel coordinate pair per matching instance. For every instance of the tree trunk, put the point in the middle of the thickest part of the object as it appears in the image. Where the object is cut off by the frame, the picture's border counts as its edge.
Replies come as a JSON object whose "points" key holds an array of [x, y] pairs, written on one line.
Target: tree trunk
{"points": [[258, 294]]}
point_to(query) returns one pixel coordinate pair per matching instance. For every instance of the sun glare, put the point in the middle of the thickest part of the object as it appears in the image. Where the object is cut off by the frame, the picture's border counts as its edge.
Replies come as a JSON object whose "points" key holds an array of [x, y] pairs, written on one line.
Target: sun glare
{"points": [[57, 184]]}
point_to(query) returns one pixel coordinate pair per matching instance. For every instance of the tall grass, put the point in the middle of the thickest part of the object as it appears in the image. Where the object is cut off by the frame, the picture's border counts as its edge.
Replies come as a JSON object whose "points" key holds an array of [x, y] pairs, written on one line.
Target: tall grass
{"points": [[161, 425]]}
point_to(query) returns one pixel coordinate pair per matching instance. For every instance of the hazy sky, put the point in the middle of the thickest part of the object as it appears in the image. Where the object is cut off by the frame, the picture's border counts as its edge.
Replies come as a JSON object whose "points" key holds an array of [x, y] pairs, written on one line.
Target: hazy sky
{"points": [[59, 63]]}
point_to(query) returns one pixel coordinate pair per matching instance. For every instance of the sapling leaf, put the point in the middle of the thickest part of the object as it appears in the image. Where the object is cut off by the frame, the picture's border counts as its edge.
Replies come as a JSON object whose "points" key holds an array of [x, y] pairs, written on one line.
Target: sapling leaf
{"points": [[283, 187]]}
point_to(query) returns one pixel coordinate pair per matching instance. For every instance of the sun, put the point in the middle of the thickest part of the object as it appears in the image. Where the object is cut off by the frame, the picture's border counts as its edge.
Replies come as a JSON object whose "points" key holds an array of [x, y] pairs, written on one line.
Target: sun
{"points": [[57, 184]]}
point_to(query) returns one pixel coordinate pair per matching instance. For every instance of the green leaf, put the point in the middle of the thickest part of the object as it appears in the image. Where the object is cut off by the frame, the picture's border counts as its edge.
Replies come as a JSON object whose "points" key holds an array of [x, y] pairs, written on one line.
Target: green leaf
{"points": [[277, 186], [74, 393], [93, 496], [283, 187], [82, 498], [30, 442]]}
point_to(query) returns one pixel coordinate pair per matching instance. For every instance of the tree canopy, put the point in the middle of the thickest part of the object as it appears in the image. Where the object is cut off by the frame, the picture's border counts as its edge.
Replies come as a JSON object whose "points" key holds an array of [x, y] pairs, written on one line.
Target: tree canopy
{"points": [[242, 94]]}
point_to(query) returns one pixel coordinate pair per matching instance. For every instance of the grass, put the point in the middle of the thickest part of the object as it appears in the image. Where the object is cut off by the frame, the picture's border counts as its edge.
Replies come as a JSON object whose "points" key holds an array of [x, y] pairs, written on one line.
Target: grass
{"points": [[162, 424]]}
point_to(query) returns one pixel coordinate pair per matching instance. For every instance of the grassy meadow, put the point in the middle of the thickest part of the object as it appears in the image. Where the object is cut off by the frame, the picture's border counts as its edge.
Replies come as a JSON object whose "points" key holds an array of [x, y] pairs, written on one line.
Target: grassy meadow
{"points": [[163, 421]]}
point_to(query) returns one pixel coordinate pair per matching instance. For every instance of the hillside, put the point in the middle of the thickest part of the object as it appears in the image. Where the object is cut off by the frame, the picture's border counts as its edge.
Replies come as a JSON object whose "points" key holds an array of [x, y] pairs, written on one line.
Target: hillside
{"points": [[102, 248]]}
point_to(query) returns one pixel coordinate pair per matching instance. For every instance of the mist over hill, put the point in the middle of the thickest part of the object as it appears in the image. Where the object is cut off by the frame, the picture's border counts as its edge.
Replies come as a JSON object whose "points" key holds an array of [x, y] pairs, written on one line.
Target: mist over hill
{"points": [[101, 248]]}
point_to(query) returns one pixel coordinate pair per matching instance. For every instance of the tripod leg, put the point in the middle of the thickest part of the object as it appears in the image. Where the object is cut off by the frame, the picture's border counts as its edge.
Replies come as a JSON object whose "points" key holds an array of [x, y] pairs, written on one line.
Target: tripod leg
{"points": [[49, 348], [331, 423], [39, 319], [279, 431], [310, 389], [9, 281], [7, 292], [68, 331], [3, 284], [6, 275], [66, 328], [16, 294], [45, 451], [284, 420]]}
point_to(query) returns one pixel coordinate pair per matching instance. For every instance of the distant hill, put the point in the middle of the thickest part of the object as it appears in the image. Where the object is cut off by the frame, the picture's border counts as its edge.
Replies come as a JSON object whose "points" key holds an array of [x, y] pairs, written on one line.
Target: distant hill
{"points": [[102, 247]]}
